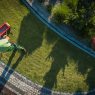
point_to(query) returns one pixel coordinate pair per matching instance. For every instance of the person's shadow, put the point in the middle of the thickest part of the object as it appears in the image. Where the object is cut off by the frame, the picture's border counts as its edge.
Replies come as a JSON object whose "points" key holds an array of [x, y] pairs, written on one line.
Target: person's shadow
{"points": [[61, 52], [31, 33], [59, 62], [8, 71]]}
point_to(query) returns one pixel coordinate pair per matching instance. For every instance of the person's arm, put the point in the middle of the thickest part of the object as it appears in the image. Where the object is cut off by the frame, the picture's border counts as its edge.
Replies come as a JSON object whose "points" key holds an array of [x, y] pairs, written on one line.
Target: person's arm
{"points": [[6, 37]]}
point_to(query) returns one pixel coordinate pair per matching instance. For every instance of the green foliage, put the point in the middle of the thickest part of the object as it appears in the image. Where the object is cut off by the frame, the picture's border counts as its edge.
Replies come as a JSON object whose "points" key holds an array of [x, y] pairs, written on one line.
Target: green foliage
{"points": [[72, 4], [93, 20], [80, 14], [60, 13], [92, 26]]}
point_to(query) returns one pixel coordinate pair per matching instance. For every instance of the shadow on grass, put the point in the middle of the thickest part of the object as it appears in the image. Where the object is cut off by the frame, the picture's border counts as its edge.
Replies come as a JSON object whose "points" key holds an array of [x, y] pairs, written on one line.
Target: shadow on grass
{"points": [[87, 66], [78, 92], [59, 62], [8, 71], [60, 54], [31, 37], [31, 32]]}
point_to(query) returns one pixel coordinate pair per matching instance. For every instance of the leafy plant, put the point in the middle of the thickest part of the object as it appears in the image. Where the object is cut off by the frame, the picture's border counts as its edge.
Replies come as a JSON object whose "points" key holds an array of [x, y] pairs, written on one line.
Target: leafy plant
{"points": [[80, 14], [72, 4], [61, 13]]}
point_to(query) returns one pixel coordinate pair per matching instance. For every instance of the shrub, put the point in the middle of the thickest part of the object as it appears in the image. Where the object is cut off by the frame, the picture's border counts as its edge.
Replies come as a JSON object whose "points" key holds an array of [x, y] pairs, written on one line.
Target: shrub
{"points": [[72, 4], [92, 26], [80, 14], [61, 13]]}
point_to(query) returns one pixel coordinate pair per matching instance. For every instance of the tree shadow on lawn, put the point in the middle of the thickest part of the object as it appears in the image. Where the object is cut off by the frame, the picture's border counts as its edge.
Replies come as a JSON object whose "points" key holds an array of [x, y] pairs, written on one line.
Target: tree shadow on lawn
{"points": [[60, 54], [8, 71], [31, 33]]}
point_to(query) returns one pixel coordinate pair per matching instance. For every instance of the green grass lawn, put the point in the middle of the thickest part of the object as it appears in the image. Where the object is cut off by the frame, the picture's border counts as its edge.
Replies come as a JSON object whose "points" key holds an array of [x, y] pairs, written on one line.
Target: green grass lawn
{"points": [[51, 61]]}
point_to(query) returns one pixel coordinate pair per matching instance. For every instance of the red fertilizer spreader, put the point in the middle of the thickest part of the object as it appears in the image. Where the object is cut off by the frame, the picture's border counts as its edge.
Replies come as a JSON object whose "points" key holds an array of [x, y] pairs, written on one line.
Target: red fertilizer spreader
{"points": [[4, 29]]}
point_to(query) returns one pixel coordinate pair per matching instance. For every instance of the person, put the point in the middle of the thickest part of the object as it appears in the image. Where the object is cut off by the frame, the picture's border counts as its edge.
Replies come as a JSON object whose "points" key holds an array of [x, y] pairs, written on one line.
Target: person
{"points": [[6, 45]]}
